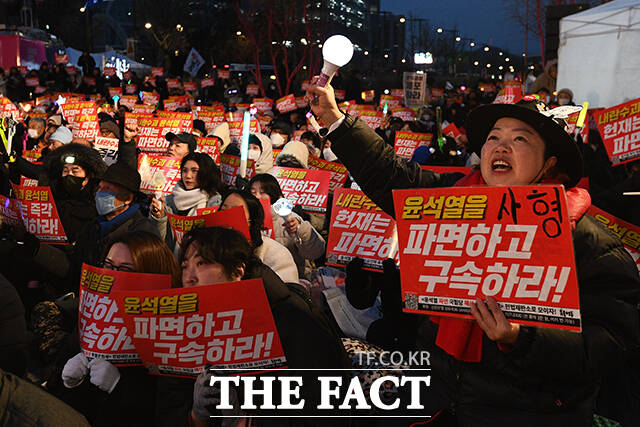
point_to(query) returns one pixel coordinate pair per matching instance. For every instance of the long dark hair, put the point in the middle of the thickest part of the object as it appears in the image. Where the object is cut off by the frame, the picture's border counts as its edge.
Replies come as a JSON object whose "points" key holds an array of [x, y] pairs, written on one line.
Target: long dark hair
{"points": [[269, 184], [256, 214], [209, 178]]}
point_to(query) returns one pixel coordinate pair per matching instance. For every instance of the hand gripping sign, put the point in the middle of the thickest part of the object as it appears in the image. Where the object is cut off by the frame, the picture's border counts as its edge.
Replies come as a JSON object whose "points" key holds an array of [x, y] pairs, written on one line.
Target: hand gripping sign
{"points": [[230, 218], [226, 325], [308, 188], [620, 130], [407, 142], [38, 212], [511, 243], [102, 331], [159, 174], [360, 229], [628, 233]]}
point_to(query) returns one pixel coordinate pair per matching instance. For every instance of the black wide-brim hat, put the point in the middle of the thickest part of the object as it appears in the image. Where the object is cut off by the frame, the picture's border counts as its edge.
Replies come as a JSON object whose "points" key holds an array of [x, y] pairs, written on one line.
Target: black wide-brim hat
{"points": [[124, 176], [558, 142]]}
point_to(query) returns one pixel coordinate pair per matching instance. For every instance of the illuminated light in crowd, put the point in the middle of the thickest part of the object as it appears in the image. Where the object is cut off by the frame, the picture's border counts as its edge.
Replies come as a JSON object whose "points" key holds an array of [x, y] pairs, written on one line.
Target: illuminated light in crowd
{"points": [[272, 77], [226, 65], [303, 41], [439, 30], [386, 91], [506, 60], [320, 45], [403, 20], [304, 67], [500, 67], [472, 44], [488, 65], [458, 38], [147, 25], [403, 60], [486, 49], [463, 87], [179, 28], [500, 53], [82, 9], [475, 63], [142, 59], [386, 55], [238, 33], [366, 52]]}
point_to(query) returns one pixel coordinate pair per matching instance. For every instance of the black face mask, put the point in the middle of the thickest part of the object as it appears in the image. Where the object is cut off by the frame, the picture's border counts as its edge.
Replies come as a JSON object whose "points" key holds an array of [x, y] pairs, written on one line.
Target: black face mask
{"points": [[72, 184]]}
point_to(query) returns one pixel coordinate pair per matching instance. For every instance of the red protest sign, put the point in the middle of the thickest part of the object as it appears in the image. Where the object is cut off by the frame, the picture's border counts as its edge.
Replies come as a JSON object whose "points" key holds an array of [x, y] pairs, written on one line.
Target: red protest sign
{"points": [[10, 213], [71, 110], [512, 243], [372, 118], [268, 217], [407, 142], [159, 174], [263, 104], [338, 172], [8, 109], [360, 229], [108, 149], [131, 119], [619, 127], [207, 82], [109, 71], [130, 88], [235, 128], [128, 100], [32, 156], [286, 104], [173, 84], [115, 91], [144, 110], [300, 102], [151, 133], [391, 101], [368, 95], [340, 94], [211, 119], [190, 86], [86, 126], [102, 331], [509, 94], [448, 169], [229, 218], [39, 213], [398, 93], [226, 325], [150, 98], [31, 81], [224, 74], [28, 182], [628, 233], [308, 188], [437, 93], [252, 89], [406, 114], [209, 146], [229, 166], [451, 130], [62, 58], [157, 72], [186, 119]]}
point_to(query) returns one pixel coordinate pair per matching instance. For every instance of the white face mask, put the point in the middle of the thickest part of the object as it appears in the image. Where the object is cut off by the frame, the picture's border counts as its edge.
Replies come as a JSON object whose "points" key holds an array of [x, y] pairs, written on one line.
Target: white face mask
{"points": [[254, 154], [563, 101], [33, 133], [276, 140], [329, 155]]}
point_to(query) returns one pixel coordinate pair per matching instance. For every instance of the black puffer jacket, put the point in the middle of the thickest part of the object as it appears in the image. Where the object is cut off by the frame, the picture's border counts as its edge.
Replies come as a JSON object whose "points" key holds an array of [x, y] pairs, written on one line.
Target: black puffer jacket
{"points": [[550, 375]]}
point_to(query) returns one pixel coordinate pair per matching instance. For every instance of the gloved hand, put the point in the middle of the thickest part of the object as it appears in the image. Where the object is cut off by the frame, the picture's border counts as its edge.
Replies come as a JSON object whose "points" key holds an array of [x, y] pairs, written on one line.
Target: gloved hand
{"points": [[241, 183], [75, 370], [27, 244], [207, 397], [104, 375]]}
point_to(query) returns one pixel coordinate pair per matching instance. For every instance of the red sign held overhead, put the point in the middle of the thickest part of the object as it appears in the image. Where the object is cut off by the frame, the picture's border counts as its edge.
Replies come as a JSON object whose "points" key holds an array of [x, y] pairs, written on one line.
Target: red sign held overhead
{"points": [[226, 325], [209, 146], [360, 229], [252, 89], [86, 126], [207, 82], [620, 130], [108, 149], [406, 114], [308, 188], [159, 174], [338, 171], [263, 104], [229, 166], [372, 118], [511, 243], [151, 133], [407, 142], [286, 104], [391, 101]]}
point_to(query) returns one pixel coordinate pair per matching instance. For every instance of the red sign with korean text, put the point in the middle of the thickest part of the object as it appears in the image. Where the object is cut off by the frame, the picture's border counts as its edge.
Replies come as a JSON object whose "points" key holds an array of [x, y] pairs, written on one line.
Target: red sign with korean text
{"points": [[224, 74], [308, 188], [130, 89], [359, 228], [186, 119], [619, 127], [511, 243], [189, 86], [86, 126], [128, 100], [407, 142], [131, 119], [102, 331], [391, 101], [32, 156], [150, 98], [159, 174], [451, 130], [71, 110], [398, 93], [8, 109], [627, 232], [62, 58], [157, 72], [151, 133], [229, 218], [108, 149], [340, 94], [31, 81], [437, 93], [252, 89], [572, 121], [372, 118], [286, 104], [39, 213], [368, 95], [173, 84], [226, 325], [209, 146], [211, 119], [146, 110], [263, 104], [28, 182], [229, 166], [207, 82], [235, 128], [406, 114], [300, 102], [338, 171], [115, 91]]}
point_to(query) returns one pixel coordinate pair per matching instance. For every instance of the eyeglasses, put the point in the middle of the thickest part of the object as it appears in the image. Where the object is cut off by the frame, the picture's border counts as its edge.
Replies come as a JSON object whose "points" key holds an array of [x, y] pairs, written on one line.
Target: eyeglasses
{"points": [[110, 266]]}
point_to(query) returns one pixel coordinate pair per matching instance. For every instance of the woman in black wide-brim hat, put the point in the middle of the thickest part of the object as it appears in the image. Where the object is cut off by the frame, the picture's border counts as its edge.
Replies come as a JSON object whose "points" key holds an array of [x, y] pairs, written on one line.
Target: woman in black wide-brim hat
{"points": [[489, 371]]}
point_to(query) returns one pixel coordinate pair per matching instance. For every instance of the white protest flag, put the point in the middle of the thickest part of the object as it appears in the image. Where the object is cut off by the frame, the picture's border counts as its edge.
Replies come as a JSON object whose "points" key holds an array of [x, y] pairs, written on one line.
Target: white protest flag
{"points": [[193, 63]]}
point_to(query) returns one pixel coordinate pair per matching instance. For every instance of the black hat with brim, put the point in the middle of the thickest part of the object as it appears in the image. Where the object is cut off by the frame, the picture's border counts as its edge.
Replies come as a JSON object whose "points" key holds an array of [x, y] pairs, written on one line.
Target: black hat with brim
{"points": [[558, 142], [124, 176], [185, 138]]}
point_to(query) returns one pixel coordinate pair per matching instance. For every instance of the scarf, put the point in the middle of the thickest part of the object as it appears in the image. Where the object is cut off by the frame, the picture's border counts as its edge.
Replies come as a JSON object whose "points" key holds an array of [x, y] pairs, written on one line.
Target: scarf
{"points": [[462, 338], [188, 199], [107, 225]]}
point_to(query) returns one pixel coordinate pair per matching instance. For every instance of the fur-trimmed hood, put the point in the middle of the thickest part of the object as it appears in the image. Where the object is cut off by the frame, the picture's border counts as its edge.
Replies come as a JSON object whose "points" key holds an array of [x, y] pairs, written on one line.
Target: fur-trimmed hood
{"points": [[85, 156]]}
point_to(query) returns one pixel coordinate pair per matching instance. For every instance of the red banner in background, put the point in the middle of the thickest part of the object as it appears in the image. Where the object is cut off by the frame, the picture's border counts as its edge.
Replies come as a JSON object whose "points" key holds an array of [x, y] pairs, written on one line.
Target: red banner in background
{"points": [[209, 146], [102, 331], [391, 101], [338, 172], [286, 104], [230, 218], [512, 243], [208, 82], [360, 229], [252, 89], [371, 117], [152, 131], [115, 91], [150, 98], [186, 119], [308, 188], [128, 100], [211, 119], [86, 126], [407, 142], [157, 72], [189, 86], [627, 232], [229, 166], [71, 110], [619, 127], [406, 114], [226, 325], [39, 213], [159, 174], [263, 104], [224, 74], [173, 84], [398, 93]]}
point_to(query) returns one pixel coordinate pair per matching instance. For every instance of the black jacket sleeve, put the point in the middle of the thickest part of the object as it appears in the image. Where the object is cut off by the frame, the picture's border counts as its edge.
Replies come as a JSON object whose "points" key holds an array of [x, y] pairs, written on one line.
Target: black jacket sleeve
{"points": [[26, 168], [128, 153], [375, 166]]}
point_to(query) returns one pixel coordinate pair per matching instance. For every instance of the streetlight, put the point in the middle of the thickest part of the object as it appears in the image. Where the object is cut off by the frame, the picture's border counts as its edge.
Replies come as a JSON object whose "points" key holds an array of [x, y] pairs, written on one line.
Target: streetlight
{"points": [[238, 33], [402, 20], [475, 63], [486, 49], [500, 53], [179, 28], [82, 9], [506, 60], [404, 60], [272, 77], [439, 30], [366, 52], [458, 38], [472, 44], [147, 25]]}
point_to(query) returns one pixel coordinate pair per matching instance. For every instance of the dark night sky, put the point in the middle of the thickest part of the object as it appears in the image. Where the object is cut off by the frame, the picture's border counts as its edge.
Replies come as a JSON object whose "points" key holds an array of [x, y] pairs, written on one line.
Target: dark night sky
{"points": [[484, 20]]}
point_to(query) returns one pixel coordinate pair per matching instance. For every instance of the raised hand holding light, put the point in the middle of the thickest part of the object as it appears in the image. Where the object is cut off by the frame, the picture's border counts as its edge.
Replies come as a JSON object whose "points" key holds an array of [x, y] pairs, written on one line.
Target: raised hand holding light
{"points": [[337, 51]]}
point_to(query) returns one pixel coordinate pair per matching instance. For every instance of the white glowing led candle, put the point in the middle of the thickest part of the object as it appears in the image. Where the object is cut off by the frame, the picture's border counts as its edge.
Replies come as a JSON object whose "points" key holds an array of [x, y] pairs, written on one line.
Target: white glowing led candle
{"points": [[337, 52]]}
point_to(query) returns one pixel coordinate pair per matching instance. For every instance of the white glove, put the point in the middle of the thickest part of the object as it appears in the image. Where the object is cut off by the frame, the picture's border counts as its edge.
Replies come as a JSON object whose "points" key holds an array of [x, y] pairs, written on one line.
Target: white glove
{"points": [[75, 370], [104, 375]]}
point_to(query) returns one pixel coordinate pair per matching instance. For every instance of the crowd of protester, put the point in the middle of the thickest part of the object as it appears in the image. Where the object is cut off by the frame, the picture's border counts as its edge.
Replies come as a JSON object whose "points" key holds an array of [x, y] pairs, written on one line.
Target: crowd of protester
{"points": [[517, 375]]}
